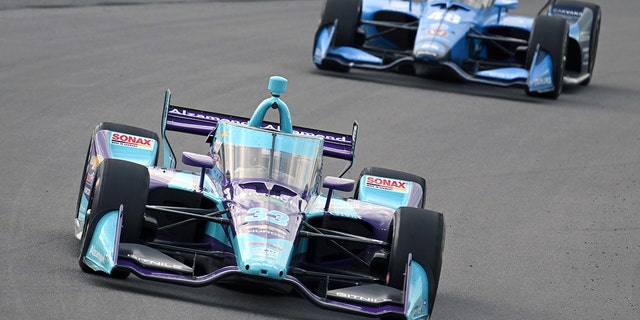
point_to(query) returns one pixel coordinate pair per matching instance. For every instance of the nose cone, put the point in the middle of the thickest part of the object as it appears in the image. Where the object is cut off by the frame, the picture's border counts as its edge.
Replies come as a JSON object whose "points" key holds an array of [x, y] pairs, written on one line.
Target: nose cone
{"points": [[259, 268], [430, 50], [265, 230], [265, 257]]}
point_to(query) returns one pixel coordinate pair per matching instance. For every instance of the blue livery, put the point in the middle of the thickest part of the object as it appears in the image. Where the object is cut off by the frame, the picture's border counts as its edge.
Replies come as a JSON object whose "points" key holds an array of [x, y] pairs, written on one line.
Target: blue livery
{"points": [[474, 40]]}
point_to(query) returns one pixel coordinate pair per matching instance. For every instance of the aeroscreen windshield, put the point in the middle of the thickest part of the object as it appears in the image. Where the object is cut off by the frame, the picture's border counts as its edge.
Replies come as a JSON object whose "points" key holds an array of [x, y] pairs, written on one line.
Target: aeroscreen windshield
{"points": [[253, 154]]}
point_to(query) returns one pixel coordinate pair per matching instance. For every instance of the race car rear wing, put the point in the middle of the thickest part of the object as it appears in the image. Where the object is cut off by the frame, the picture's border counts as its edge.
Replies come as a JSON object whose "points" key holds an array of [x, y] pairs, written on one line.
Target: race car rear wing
{"points": [[200, 122]]}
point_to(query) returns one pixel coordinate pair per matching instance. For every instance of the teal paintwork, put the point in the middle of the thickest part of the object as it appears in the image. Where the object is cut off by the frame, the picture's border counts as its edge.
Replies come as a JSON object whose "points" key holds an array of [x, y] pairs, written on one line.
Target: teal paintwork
{"points": [[417, 298], [102, 253]]}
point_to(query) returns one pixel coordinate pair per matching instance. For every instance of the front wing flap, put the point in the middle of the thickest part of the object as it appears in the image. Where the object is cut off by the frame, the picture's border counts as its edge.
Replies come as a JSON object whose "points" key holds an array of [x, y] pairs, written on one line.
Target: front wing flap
{"points": [[541, 73]]}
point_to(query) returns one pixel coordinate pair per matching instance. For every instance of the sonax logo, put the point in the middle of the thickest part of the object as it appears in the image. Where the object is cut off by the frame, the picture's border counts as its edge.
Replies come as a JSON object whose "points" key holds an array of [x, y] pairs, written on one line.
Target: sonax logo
{"points": [[131, 141], [386, 184]]}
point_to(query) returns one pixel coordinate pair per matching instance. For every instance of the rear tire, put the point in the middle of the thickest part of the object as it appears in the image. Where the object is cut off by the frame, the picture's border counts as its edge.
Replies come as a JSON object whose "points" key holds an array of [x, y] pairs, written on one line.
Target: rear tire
{"points": [[551, 33], [420, 232], [393, 174], [117, 182], [347, 12], [595, 31]]}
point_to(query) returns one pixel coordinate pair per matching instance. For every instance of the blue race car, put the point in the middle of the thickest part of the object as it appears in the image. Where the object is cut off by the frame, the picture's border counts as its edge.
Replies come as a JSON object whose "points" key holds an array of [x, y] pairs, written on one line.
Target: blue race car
{"points": [[254, 211], [474, 40]]}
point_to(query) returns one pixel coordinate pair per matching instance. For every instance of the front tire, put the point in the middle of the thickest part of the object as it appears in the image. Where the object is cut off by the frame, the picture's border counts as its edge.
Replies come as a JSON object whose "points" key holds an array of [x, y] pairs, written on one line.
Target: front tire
{"points": [[88, 165], [347, 13], [551, 33], [117, 182], [594, 31], [420, 232]]}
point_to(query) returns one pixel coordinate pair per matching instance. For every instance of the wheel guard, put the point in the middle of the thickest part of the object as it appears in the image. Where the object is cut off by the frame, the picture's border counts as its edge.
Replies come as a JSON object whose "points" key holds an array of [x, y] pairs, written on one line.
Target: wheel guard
{"points": [[541, 72], [416, 299], [102, 253]]}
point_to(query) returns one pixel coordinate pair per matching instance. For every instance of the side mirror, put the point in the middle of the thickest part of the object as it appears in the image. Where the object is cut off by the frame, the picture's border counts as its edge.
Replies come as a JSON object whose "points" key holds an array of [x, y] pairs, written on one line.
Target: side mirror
{"points": [[340, 184], [335, 183], [198, 160], [507, 4]]}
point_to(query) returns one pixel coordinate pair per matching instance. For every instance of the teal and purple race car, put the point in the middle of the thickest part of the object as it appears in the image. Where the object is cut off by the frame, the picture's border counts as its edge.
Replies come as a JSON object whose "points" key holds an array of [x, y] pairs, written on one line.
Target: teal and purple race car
{"points": [[256, 209], [474, 40]]}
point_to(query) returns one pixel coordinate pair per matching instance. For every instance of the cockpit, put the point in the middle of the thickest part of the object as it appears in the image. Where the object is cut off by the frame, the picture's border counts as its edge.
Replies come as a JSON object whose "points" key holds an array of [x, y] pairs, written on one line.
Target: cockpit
{"points": [[249, 154]]}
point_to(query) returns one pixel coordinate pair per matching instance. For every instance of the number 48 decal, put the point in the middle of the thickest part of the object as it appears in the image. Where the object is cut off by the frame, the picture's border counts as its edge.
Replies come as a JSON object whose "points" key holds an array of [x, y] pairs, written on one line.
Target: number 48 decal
{"points": [[273, 216]]}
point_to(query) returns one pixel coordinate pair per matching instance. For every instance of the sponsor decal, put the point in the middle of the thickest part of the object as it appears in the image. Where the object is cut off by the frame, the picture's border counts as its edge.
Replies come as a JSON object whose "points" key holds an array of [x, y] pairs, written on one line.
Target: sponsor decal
{"points": [[429, 47], [567, 12], [542, 81], [360, 298], [95, 161], [585, 36], [207, 117], [96, 254], [386, 184], [265, 233], [262, 244], [268, 230], [437, 32], [346, 215], [132, 141], [161, 264], [90, 176], [266, 252]]}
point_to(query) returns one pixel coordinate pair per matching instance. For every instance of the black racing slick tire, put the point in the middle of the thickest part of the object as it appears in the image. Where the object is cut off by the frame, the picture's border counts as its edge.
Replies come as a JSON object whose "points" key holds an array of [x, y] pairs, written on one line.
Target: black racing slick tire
{"points": [[111, 127], [392, 174], [117, 182], [421, 233], [594, 35], [551, 34], [347, 14]]}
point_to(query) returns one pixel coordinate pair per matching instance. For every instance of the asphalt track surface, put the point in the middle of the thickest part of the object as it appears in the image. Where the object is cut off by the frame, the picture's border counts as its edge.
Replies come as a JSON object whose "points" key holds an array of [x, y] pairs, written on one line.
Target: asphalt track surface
{"points": [[541, 198]]}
